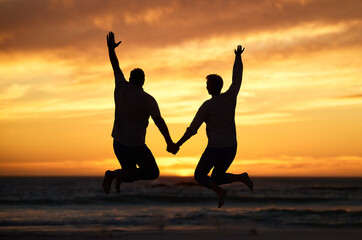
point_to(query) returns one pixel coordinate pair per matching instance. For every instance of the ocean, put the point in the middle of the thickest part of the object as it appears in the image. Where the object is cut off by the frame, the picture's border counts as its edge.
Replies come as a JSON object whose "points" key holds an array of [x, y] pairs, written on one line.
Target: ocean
{"points": [[69, 203]]}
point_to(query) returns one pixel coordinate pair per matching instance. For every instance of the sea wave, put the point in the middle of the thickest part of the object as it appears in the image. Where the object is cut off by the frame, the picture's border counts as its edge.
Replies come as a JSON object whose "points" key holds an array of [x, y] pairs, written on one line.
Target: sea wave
{"points": [[271, 217], [169, 200], [65, 191], [321, 203]]}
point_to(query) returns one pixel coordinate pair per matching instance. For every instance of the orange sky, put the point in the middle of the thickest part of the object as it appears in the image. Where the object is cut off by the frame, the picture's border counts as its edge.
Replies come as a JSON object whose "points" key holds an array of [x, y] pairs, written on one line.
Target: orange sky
{"points": [[299, 110]]}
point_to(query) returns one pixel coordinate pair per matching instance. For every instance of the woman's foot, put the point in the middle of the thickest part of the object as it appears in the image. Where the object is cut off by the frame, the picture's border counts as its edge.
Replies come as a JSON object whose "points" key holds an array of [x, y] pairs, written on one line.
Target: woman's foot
{"points": [[221, 196], [247, 181], [221, 193]]}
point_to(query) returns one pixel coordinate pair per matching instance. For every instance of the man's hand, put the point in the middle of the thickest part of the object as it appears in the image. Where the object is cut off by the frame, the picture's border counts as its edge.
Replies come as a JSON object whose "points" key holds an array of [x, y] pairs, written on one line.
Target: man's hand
{"points": [[239, 50], [172, 148], [111, 43]]}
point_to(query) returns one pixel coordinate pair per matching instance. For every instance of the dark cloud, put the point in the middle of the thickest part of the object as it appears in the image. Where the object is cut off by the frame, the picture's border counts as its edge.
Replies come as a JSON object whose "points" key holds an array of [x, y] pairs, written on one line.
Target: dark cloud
{"points": [[39, 25]]}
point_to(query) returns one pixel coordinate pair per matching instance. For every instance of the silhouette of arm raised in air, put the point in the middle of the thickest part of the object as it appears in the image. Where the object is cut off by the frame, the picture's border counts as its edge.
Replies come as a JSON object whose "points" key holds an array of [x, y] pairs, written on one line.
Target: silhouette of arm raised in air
{"points": [[237, 72], [161, 125], [111, 43]]}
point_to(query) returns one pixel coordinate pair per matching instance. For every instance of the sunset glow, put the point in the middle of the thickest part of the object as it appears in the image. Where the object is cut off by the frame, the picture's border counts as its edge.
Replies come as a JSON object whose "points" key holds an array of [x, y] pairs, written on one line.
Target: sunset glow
{"points": [[299, 110]]}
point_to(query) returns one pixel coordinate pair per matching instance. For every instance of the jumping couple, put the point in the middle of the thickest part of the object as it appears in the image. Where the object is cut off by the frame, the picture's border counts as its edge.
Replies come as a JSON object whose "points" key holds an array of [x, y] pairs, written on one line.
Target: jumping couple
{"points": [[133, 107]]}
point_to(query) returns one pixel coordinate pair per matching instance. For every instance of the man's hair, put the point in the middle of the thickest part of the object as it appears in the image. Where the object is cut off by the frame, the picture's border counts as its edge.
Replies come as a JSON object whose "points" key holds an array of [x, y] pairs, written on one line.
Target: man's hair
{"points": [[137, 77], [214, 84]]}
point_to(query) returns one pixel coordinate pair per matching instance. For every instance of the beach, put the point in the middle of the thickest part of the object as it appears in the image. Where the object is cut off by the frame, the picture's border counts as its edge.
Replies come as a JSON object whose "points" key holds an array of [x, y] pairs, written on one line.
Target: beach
{"points": [[209, 234], [178, 208]]}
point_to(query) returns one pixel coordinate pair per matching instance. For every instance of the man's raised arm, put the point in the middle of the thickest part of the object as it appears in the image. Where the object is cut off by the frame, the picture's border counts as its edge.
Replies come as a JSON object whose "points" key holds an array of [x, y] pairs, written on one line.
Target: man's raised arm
{"points": [[237, 71], [112, 54]]}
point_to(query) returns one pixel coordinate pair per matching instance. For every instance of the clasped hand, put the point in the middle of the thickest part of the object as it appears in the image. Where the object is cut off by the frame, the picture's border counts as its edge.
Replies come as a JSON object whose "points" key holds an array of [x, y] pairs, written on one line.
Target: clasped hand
{"points": [[172, 148]]}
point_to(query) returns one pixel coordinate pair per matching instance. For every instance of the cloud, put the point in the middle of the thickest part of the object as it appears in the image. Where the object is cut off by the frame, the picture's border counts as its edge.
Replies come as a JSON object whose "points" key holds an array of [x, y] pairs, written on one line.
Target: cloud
{"points": [[342, 166], [13, 91], [46, 25], [302, 166]]}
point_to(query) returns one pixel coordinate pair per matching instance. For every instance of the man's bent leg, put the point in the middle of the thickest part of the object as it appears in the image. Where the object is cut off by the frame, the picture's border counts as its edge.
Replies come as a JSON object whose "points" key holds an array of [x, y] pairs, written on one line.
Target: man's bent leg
{"points": [[148, 169], [223, 159], [125, 175], [142, 156], [107, 181], [129, 171], [203, 168]]}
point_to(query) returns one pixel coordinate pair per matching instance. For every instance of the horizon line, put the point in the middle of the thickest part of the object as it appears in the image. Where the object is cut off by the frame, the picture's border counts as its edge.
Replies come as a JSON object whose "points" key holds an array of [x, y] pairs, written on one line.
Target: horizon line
{"points": [[165, 176]]}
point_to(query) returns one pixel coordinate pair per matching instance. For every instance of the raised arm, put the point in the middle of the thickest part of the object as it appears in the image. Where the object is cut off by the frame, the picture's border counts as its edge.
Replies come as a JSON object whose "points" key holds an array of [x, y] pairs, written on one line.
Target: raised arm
{"points": [[112, 54], [237, 72]]}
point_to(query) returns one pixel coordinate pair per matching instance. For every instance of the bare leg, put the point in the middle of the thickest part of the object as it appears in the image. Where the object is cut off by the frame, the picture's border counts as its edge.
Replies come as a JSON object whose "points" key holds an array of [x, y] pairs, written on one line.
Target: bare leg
{"points": [[117, 174], [125, 175], [107, 181], [221, 193], [244, 178]]}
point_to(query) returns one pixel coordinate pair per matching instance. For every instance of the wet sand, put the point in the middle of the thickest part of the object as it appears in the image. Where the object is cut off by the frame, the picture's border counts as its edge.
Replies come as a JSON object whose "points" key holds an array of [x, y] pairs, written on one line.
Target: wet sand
{"points": [[224, 234]]}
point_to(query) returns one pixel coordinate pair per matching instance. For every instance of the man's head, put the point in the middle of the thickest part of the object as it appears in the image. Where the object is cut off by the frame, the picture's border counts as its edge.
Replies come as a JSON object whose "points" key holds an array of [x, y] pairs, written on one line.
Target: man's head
{"points": [[137, 77], [214, 84]]}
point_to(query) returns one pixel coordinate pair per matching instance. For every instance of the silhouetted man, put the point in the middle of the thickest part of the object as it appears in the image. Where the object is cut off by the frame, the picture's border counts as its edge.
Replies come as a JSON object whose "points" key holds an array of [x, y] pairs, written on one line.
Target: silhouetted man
{"points": [[133, 107], [219, 115]]}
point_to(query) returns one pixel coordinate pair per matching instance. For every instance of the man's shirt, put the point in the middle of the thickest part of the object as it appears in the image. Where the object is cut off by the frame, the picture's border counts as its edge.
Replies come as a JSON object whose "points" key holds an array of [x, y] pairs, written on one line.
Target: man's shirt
{"points": [[133, 109], [219, 115]]}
